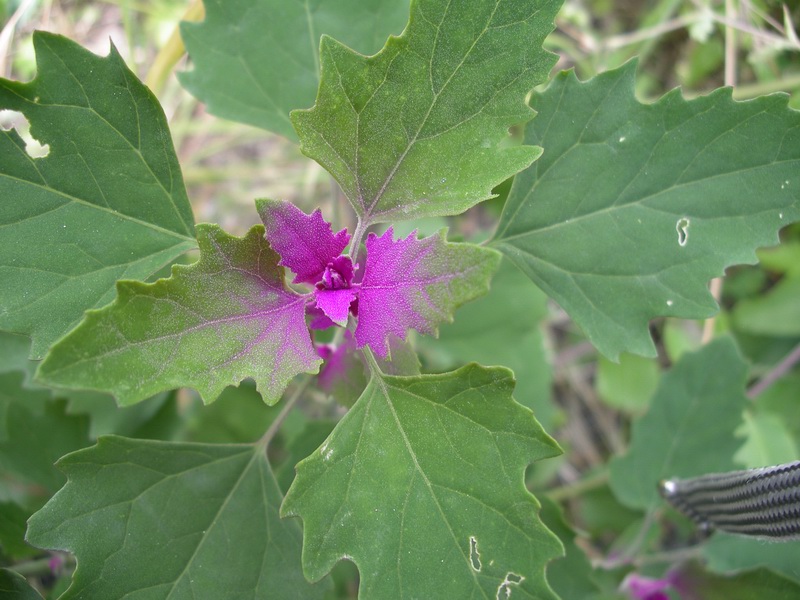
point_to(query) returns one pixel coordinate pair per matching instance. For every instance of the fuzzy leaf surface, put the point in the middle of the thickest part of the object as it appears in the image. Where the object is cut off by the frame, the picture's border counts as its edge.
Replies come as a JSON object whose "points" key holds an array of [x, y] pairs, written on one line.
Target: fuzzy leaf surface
{"points": [[305, 243], [256, 60], [690, 427], [421, 485], [192, 520], [453, 83], [107, 202], [635, 207], [417, 284], [212, 324]]}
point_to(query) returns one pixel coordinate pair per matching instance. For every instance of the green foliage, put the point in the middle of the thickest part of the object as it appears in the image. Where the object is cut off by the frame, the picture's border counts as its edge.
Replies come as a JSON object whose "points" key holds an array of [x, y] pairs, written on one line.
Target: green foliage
{"points": [[482, 332], [191, 518], [14, 587], [727, 553], [407, 484], [570, 576], [690, 427], [106, 203], [750, 585], [212, 324], [256, 60], [449, 512], [635, 207], [453, 83], [628, 384]]}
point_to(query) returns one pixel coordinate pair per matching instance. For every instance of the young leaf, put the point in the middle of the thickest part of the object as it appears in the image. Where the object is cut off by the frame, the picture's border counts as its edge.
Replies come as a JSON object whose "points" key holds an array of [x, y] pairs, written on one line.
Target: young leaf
{"points": [[635, 207], [225, 318], [305, 243], [421, 485], [690, 427], [191, 519], [411, 283], [418, 129], [107, 202], [255, 60]]}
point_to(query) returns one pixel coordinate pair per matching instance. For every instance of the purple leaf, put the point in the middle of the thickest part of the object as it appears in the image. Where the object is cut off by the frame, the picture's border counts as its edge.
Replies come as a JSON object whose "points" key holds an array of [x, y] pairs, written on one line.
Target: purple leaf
{"points": [[319, 320], [306, 243], [417, 284], [335, 304]]}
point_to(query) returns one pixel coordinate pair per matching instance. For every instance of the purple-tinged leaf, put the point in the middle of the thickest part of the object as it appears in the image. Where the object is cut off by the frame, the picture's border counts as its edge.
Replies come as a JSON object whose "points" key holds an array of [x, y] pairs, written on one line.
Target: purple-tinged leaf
{"points": [[336, 303], [306, 243], [318, 319], [212, 324], [417, 284], [343, 375]]}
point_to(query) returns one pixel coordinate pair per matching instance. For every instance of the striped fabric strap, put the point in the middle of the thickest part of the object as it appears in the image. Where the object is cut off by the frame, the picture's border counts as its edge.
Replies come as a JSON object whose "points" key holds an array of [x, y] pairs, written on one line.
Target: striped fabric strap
{"points": [[761, 502]]}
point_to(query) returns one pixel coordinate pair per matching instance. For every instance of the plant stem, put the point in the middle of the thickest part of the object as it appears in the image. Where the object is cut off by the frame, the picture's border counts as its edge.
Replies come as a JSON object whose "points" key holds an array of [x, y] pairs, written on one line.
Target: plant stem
{"points": [[355, 241], [669, 556], [776, 373], [570, 490], [39, 566], [287, 408], [173, 50]]}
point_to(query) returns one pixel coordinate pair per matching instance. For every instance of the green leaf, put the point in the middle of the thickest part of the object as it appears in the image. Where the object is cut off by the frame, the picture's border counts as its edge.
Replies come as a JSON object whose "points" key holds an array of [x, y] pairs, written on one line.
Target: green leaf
{"points": [[300, 446], [36, 441], [628, 384], [728, 553], [503, 328], [239, 415], [421, 128], [635, 207], [255, 60], [212, 324], [750, 585], [13, 586], [107, 202], [156, 414], [689, 428], [191, 519], [572, 575], [775, 313], [13, 518], [767, 440], [14, 350], [14, 391], [421, 485]]}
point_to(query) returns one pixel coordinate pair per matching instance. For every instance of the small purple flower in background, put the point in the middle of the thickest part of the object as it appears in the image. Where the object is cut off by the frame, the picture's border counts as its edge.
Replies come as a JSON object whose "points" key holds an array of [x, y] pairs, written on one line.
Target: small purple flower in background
{"points": [[405, 284], [56, 564], [645, 588]]}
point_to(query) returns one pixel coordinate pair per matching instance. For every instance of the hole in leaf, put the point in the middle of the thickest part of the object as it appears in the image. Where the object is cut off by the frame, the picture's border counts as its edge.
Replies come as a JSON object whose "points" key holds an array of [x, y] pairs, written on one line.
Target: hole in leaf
{"points": [[474, 555], [682, 226], [504, 591], [12, 119]]}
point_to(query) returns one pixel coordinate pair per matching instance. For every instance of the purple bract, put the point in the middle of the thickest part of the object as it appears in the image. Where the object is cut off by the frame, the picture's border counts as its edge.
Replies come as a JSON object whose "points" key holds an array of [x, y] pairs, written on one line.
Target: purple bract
{"points": [[407, 283]]}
